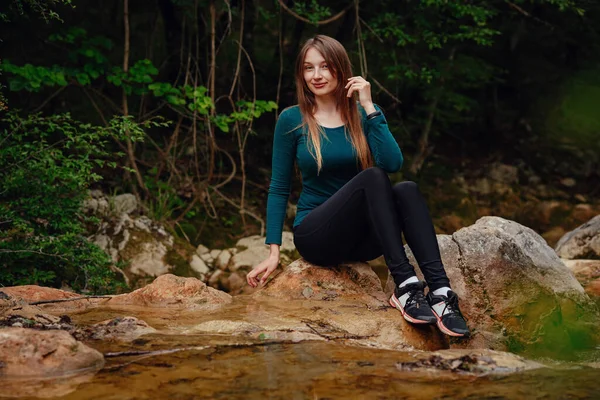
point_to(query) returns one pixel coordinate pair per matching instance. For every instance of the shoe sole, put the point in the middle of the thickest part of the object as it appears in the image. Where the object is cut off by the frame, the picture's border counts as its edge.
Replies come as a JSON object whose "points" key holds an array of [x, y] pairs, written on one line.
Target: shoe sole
{"points": [[445, 330], [394, 302]]}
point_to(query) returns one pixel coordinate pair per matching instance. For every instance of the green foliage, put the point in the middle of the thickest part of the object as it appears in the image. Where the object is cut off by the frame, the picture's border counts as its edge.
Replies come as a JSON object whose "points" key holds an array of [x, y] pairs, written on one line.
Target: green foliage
{"points": [[165, 199], [32, 78], [247, 111], [313, 10], [88, 62], [46, 167]]}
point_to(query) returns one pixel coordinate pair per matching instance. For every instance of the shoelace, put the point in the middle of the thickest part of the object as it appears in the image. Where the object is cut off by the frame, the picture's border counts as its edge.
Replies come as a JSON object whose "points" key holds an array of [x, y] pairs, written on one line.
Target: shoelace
{"points": [[418, 297], [452, 306]]}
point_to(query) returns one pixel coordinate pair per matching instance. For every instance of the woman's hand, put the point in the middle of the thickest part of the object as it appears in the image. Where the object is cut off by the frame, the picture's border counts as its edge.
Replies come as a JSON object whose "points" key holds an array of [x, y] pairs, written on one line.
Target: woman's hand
{"points": [[267, 266], [363, 88]]}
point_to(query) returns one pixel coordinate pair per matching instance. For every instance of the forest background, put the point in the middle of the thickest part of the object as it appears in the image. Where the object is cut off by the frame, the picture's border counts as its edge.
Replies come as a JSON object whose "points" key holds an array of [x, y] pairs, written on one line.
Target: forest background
{"points": [[176, 100]]}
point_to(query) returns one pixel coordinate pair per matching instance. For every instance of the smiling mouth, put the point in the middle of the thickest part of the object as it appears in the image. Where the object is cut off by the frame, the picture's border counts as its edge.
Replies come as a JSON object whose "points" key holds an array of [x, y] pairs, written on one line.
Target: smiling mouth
{"points": [[319, 85]]}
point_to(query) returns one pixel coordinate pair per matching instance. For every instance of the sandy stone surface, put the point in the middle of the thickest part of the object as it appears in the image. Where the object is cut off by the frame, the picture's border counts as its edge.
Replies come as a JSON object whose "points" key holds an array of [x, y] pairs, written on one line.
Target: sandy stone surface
{"points": [[174, 292]]}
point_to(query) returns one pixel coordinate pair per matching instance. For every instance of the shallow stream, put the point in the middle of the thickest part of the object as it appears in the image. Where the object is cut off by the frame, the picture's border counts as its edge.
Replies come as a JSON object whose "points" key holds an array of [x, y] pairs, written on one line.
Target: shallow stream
{"points": [[210, 366]]}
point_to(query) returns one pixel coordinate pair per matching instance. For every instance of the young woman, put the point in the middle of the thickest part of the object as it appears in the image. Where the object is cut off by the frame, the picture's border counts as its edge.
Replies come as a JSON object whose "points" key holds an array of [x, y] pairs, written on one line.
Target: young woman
{"points": [[348, 210]]}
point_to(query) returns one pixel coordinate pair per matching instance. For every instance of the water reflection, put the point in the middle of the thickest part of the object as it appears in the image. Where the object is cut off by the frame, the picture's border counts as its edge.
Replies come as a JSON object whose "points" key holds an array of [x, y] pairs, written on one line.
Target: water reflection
{"points": [[309, 370]]}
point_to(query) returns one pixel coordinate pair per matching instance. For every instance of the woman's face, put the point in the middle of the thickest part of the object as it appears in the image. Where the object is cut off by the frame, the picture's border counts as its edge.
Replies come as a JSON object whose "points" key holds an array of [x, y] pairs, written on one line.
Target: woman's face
{"points": [[318, 76]]}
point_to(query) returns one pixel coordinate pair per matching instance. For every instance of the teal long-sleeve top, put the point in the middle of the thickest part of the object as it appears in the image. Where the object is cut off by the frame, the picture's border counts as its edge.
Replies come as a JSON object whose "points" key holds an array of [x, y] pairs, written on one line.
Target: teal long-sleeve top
{"points": [[339, 164]]}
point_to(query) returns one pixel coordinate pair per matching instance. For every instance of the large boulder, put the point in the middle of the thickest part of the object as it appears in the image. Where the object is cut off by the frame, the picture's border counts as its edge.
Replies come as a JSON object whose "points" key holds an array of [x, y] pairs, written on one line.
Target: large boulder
{"points": [[514, 290], [172, 291], [581, 243], [28, 352]]}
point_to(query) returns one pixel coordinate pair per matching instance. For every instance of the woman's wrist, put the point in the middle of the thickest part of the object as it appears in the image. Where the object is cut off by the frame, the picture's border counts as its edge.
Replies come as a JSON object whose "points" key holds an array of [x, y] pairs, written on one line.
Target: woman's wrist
{"points": [[369, 108], [274, 254]]}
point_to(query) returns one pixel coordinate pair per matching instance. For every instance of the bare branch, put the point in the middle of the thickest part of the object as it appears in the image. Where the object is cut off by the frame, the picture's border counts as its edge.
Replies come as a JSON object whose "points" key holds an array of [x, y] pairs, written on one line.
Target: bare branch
{"points": [[385, 90], [35, 303]]}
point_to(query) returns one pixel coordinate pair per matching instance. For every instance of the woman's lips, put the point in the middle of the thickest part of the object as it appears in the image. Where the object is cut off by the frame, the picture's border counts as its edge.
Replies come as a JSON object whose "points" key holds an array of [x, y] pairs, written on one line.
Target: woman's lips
{"points": [[319, 85]]}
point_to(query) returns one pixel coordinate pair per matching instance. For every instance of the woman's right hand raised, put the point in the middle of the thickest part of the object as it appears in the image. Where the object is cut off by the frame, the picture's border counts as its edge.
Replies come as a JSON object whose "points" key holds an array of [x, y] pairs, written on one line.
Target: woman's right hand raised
{"points": [[265, 268]]}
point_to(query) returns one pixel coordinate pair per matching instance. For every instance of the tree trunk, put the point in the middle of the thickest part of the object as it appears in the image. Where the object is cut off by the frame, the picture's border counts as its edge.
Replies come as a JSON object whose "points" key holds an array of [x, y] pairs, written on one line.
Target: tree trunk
{"points": [[126, 49], [424, 150]]}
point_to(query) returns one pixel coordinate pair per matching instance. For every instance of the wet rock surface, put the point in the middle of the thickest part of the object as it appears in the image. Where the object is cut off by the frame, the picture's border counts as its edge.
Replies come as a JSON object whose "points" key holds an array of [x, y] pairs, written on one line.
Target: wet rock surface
{"points": [[468, 362], [125, 329], [28, 353]]}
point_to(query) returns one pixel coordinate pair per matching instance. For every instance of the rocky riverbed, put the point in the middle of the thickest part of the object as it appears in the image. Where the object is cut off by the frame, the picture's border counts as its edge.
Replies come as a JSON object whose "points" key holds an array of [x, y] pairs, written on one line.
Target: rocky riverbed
{"points": [[314, 332]]}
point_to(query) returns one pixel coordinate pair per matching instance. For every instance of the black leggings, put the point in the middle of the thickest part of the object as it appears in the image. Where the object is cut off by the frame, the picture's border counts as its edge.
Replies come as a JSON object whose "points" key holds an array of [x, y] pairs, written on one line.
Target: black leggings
{"points": [[366, 218]]}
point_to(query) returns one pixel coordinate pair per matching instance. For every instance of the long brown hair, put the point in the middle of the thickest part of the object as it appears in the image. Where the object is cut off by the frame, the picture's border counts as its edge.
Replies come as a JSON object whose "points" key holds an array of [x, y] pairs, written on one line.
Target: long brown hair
{"points": [[339, 64]]}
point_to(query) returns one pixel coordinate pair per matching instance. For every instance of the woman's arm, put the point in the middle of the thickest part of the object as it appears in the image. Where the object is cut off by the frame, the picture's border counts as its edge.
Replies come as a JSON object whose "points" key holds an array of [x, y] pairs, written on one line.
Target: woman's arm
{"points": [[284, 152], [386, 152]]}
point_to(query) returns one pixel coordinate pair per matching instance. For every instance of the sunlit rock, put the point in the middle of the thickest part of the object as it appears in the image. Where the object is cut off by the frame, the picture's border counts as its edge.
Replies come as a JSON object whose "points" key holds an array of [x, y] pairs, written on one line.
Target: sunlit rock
{"points": [[302, 280], [174, 292], [33, 293]]}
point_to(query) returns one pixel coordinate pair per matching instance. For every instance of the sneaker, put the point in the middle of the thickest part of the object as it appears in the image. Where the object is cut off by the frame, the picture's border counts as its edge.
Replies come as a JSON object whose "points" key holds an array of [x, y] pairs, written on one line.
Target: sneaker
{"points": [[449, 318], [413, 305]]}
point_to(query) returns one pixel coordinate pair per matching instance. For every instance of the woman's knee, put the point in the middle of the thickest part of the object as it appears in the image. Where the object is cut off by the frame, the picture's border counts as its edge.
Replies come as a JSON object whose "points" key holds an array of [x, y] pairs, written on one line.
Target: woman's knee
{"points": [[375, 175], [406, 188]]}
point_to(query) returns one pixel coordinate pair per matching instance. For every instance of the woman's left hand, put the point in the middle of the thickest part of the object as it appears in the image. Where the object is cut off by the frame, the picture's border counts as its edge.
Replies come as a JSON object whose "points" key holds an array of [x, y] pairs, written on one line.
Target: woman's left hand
{"points": [[363, 88]]}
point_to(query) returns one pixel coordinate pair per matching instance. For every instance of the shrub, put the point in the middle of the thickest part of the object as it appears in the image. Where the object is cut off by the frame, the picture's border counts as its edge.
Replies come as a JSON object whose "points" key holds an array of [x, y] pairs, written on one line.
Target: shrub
{"points": [[46, 167]]}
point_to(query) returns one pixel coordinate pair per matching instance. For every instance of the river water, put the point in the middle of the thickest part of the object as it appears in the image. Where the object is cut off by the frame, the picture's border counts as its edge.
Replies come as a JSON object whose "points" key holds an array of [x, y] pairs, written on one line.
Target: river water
{"points": [[174, 365]]}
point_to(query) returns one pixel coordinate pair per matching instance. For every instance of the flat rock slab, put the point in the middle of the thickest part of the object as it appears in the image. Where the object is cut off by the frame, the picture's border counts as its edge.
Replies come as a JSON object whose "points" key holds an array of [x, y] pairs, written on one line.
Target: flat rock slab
{"points": [[472, 362], [343, 321], [28, 294]]}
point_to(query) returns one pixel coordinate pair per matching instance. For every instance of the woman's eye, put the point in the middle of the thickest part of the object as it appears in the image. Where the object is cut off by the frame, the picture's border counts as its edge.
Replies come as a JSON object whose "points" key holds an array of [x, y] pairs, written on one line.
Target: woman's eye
{"points": [[325, 66], [308, 68]]}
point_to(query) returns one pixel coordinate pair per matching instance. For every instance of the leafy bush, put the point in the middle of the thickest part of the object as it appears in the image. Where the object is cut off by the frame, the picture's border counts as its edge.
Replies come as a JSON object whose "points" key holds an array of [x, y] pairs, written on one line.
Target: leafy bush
{"points": [[46, 167]]}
